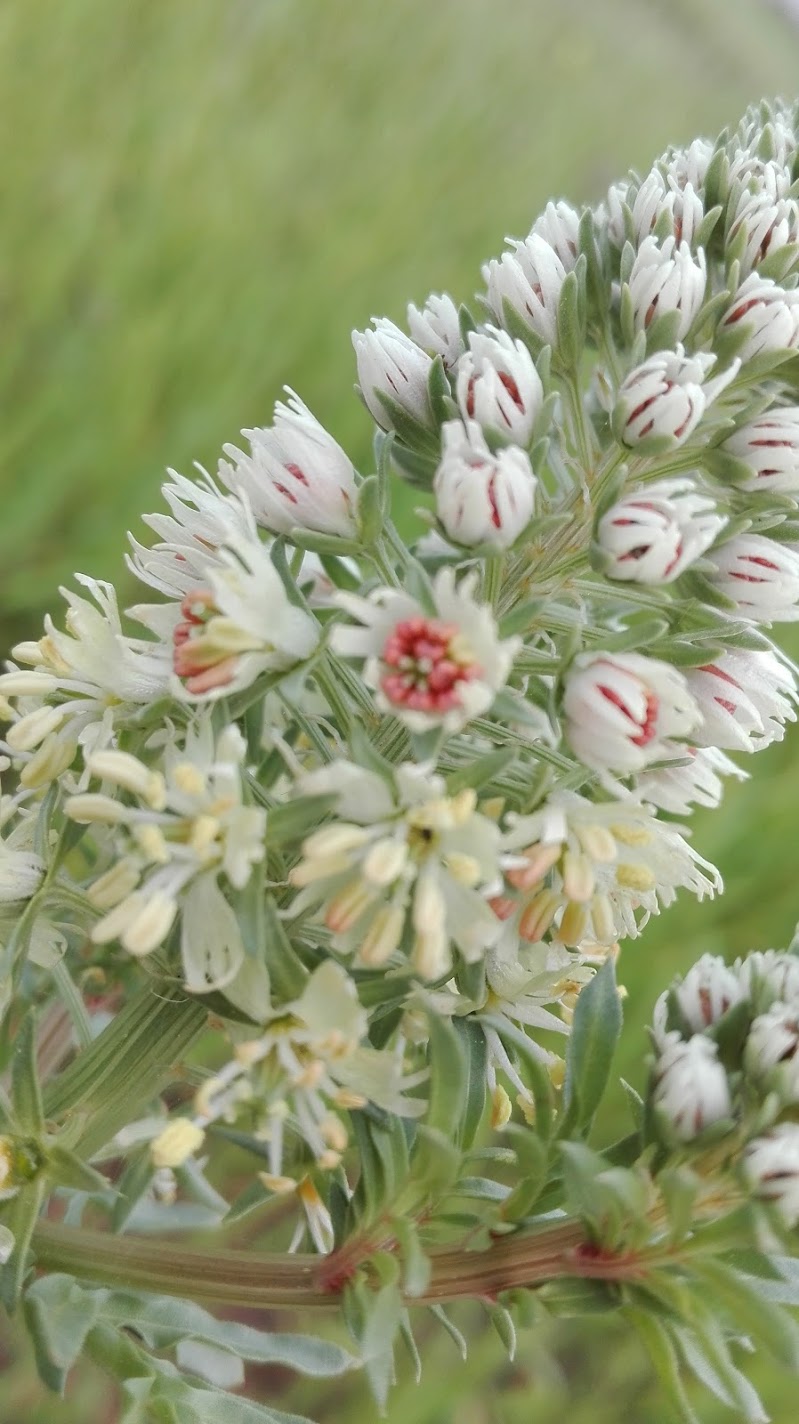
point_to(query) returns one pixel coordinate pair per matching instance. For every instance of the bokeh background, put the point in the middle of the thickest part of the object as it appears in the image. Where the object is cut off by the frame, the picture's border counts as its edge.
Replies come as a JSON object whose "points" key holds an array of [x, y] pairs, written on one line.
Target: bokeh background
{"points": [[198, 202]]}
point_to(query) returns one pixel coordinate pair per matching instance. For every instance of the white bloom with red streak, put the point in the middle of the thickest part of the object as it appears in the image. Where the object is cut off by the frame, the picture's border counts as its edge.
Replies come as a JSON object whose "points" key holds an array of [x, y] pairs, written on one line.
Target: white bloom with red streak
{"points": [[497, 385], [237, 624], [530, 280], [769, 975], [760, 576], [188, 826], [390, 365], [437, 328], [656, 195], [431, 668], [770, 446], [559, 225], [691, 1090], [657, 531], [667, 277], [595, 872], [482, 497], [771, 1169], [414, 868], [767, 314], [296, 475], [768, 225], [622, 708], [745, 699], [707, 991], [662, 401], [771, 1054], [200, 522], [694, 779]]}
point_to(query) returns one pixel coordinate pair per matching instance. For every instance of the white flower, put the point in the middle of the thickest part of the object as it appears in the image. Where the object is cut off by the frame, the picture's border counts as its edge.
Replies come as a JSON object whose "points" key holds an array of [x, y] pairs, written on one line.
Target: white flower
{"points": [[413, 866], [82, 682], [559, 225], [771, 1169], [657, 531], [768, 226], [745, 699], [771, 1054], [233, 627], [667, 277], [621, 708], [760, 576], [662, 401], [190, 828], [707, 991], [585, 869], [694, 779], [311, 1064], [439, 669], [392, 369], [482, 498], [530, 280], [296, 475], [201, 519], [437, 329], [768, 316], [690, 1090], [497, 385], [770, 446]]}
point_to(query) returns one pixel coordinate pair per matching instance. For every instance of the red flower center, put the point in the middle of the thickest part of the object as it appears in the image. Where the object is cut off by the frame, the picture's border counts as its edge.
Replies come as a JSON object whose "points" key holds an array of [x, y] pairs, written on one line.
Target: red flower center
{"points": [[195, 662], [424, 669]]}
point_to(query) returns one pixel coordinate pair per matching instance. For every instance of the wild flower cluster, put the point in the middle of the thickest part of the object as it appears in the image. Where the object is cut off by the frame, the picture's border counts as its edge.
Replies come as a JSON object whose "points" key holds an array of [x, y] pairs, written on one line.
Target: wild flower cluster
{"points": [[359, 794]]}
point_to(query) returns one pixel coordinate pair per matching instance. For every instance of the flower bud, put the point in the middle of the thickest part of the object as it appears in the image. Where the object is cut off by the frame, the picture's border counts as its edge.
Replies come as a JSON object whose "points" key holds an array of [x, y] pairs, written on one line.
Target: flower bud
{"points": [[657, 194], [768, 225], [770, 975], [771, 1169], [498, 385], [708, 990], [771, 1055], [667, 278], [745, 698], [393, 367], [662, 401], [760, 576], [559, 226], [482, 498], [437, 329], [689, 165], [690, 1091], [767, 314], [296, 476], [620, 707], [653, 534], [770, 446], [529, 279]]}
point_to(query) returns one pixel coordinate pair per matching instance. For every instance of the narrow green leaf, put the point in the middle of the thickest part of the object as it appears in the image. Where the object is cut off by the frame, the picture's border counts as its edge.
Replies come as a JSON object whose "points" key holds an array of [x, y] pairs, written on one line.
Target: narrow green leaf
{"points": [[26, 1094], [595, 1031]]}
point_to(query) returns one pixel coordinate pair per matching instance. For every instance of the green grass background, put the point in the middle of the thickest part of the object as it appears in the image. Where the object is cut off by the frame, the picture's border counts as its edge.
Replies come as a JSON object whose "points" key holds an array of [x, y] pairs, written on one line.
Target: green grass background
{"points": [[198, 201]]}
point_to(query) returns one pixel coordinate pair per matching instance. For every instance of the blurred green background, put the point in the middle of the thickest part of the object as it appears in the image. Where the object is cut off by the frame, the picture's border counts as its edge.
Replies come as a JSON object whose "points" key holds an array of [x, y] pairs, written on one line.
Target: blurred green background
{"points": [[199, 201]]}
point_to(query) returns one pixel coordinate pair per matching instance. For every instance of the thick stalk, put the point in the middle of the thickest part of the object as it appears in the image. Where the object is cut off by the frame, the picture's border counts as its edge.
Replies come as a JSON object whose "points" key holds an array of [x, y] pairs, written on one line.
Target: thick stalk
{"points": [[269, 1280]]}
